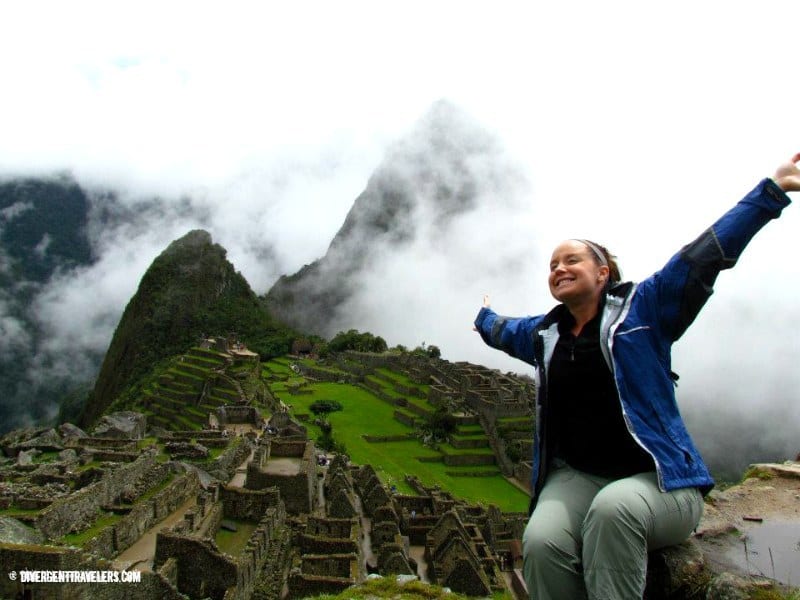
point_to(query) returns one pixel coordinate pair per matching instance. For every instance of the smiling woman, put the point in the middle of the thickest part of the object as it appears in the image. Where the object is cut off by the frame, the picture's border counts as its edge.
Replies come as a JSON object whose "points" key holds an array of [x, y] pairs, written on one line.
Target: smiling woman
{"points": [[615, 472]]}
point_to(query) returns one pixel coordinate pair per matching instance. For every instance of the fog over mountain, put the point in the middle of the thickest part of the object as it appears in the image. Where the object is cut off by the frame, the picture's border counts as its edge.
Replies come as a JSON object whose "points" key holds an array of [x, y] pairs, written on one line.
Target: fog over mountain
{"points": [[632, 124]]}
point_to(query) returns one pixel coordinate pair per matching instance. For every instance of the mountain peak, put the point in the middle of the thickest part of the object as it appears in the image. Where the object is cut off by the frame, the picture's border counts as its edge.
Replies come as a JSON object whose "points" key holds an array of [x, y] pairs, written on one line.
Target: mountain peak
{"points": [[444, 168], [188, 290]]}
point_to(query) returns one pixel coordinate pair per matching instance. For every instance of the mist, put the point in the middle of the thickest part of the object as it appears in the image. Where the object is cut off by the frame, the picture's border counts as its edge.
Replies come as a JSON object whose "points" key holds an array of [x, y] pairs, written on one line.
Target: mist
{"points": [[635, 126]]}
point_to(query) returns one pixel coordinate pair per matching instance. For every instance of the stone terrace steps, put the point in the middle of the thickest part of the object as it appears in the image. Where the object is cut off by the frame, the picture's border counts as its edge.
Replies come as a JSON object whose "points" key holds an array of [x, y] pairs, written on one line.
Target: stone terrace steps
{"points": [[208, 355]]}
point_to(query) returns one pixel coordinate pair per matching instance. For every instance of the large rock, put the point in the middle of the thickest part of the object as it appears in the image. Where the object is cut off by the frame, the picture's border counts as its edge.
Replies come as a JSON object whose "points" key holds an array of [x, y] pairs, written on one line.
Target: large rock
{"points": [[16, 532], [69, 431], [48, 440], [25, 457], [178, 450], [126, 425]]}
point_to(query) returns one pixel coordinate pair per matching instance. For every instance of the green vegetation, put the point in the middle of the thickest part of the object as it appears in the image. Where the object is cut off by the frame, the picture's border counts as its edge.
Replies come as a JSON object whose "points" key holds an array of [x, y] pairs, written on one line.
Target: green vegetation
{"points": [[79, 539], [364, 413], [354, 340], [440, 425], [12, 511], [774, 593], [324, 407], [388, 587], [233, 542], [759, 473]]}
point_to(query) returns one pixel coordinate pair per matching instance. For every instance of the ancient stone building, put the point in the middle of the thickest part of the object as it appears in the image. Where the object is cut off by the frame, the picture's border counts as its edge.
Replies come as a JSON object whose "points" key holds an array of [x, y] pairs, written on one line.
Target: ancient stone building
{"points": [[289, 466]]}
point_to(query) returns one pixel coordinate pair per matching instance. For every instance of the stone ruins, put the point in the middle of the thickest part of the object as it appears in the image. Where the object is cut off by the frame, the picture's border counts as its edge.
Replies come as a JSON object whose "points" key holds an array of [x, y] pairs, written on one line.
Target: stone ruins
{"points": [[212, 490], [208, 499]]}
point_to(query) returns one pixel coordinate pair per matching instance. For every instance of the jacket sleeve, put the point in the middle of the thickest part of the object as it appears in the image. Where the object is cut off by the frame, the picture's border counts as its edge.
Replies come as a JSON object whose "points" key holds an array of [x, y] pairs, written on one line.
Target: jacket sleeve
{"points": [[511, 335], [686, 282]]}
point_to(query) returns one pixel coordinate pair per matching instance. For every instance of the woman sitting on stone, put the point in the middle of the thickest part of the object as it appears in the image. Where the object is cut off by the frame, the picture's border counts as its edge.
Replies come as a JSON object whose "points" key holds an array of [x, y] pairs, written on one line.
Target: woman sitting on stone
{"points": [[615, 472]]}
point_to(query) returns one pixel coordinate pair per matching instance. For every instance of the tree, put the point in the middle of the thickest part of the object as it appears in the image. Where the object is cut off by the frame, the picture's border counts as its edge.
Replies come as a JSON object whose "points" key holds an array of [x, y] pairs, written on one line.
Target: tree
{"points": [[440, 425], [324, 407], [354, 340]]}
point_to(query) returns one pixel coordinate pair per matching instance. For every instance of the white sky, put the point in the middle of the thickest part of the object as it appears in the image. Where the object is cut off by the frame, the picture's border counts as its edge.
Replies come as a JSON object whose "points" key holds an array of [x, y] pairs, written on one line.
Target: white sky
{"points": [[637, 123]]}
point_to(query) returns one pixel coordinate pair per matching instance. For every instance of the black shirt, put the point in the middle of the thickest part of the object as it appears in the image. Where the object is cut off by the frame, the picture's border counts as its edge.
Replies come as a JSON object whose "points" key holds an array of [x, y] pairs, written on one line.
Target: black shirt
{"points": [[585, 418]]}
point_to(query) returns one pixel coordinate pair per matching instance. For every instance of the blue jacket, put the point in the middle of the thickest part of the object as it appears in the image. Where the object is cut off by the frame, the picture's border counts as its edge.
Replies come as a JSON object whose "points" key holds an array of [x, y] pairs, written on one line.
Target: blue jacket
{"points": [[638, 326]]}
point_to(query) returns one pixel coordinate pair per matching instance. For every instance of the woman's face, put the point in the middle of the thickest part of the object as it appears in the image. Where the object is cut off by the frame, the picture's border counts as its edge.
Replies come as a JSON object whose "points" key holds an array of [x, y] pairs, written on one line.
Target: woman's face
{"points": [[575, 275]]}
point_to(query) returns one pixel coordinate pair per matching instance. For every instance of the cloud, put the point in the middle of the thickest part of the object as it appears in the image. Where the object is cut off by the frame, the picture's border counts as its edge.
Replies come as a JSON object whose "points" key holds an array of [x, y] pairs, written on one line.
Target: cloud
{"points": [[11, 212], [14, 336]]}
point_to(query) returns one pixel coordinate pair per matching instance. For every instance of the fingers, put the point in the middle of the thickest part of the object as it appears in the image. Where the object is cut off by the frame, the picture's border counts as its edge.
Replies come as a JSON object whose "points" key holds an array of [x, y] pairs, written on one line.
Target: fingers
{"points": [[486, 300]]}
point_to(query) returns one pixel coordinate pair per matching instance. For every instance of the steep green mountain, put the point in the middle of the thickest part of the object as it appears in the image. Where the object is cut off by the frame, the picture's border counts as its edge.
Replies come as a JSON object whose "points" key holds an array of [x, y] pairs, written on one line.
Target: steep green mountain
{"points": [[190, 289], [426, 181], [43, 232]]}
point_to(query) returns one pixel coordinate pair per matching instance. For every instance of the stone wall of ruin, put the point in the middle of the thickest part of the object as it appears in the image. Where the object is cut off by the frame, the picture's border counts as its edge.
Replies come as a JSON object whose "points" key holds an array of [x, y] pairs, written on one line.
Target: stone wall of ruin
{"points": [[295, 490], [226, 463], [324, 574], [468, 460], [250, 505], [125, 532], [237, 414], [77, 511], [202, 570], [16, 558], [287, 449], [298, 491]]}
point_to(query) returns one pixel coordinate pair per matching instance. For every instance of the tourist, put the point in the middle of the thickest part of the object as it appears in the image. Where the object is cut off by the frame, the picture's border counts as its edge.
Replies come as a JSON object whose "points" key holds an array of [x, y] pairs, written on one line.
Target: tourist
{"points": [[615, 473]]}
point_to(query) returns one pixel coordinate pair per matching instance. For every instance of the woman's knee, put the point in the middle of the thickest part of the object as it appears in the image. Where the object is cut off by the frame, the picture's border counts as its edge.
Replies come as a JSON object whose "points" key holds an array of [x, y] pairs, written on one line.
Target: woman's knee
{"points": [[620, 508], [545, 538]]}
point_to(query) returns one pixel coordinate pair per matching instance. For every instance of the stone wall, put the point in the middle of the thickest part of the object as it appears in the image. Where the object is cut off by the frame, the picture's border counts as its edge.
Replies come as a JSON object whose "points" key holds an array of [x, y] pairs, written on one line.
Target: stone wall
{"points": [[202, 570], [330, 536], [17, 558], [77, 511], [125, 532], [249, 505], [287, 449], [226, 463], [298, 491], [122, 445], [468, 460], [324, 574], [238, 414]]}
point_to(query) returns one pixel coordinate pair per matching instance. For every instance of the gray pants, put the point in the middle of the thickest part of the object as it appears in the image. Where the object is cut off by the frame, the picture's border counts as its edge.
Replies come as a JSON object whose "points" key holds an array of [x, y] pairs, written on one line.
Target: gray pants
{"points": [[589, 536]]}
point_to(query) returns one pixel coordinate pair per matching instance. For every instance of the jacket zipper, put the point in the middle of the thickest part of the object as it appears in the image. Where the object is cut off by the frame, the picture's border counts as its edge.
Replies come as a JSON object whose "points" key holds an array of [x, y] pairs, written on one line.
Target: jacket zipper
{"points": [[612, 328]]}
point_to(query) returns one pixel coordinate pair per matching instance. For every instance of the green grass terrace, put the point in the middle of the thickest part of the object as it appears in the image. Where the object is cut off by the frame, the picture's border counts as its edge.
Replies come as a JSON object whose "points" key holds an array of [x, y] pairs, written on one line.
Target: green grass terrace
{"points": [[365, 414]]}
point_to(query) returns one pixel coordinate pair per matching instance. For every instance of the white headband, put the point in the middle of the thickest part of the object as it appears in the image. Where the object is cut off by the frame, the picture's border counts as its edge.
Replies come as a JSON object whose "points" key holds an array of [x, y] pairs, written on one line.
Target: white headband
{"points": [[597, 252]]}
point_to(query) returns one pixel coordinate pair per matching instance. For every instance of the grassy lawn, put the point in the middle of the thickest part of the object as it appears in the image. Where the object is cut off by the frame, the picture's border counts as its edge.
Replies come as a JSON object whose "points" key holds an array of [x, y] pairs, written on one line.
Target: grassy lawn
{"points": [[102, 521], [402, 379], [364, 413], [233, 542]]}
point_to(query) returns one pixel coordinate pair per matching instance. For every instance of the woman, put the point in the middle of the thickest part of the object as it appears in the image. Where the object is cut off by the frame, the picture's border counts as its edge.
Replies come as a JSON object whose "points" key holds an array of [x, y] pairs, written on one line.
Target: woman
{"points": [[615, 473]]}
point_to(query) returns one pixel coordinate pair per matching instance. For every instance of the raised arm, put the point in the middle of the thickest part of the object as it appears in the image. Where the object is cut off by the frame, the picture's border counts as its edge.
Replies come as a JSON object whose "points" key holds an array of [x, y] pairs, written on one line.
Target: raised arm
{"points": [[684, 285], [513, 336]]}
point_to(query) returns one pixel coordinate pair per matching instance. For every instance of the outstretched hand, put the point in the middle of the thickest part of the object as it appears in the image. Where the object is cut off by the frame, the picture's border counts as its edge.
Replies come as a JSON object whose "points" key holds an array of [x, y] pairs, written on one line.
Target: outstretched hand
{"points": [[787, 176], [485, 305]]}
